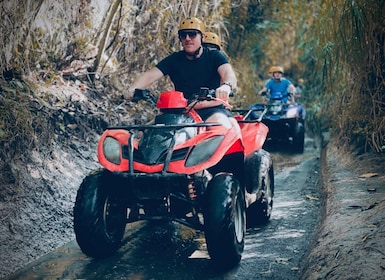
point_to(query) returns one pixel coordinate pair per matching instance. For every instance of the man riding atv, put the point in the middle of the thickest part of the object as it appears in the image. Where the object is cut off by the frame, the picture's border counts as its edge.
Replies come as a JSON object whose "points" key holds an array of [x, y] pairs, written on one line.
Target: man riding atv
{"points": [[193, 68], [278, 86], [194, 163]]}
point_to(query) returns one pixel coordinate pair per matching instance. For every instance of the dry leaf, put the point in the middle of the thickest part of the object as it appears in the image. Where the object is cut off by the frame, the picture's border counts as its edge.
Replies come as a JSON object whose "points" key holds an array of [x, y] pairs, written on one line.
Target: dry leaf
{"points": [[72, 126], [311, 197], [368, 175]]}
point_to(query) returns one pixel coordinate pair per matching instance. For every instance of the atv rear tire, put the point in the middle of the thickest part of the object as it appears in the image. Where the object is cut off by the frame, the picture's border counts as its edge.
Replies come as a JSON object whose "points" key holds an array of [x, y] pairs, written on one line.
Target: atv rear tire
{"points": [[99, 214], [260, 180], [299, 138], [225, 220]]}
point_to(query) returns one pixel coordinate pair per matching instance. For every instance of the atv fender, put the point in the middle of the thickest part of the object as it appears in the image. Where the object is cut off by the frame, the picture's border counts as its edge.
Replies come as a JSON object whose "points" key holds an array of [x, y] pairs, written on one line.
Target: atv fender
{"points": [[256, 169]]}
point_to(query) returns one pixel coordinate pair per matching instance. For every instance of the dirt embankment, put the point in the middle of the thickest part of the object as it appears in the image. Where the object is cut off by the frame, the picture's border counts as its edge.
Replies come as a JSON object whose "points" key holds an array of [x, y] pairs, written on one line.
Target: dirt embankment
{"points": [[42, 171], [351, 240]]}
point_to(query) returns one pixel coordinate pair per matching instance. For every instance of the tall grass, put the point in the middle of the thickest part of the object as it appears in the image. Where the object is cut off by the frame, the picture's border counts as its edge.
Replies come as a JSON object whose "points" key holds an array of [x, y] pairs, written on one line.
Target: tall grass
{"points": [[338, 45], [350, 40]]}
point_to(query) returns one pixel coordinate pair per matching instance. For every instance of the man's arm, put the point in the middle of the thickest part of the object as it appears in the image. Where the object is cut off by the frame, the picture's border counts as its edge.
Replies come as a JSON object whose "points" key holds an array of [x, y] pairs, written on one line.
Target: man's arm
{"points": [[292, 89], [228, 79], [227, 75], [262, 90], [144, 80], [222, 92]]}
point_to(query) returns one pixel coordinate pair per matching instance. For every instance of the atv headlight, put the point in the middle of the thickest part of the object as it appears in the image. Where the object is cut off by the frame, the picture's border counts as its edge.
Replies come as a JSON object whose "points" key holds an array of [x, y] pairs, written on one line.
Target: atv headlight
{"points": [[184, 134], [111, 150], [275, 109], [203, 151]]}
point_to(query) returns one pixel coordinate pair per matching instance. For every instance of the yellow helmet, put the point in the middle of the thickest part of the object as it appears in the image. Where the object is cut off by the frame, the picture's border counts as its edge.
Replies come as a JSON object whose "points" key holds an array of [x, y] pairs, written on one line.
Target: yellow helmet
{"points": [[276, 69], [192, 23], [213, 39]]}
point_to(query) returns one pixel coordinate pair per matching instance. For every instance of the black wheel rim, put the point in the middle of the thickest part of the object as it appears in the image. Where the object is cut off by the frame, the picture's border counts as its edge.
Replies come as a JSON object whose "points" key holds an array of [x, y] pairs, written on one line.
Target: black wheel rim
{"points": [[112, 218]]}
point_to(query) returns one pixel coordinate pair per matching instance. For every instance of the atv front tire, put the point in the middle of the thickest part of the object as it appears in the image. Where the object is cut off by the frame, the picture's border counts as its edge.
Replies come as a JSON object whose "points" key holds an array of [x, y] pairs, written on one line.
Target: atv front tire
{"points": [[225, 220], [99, 214]]}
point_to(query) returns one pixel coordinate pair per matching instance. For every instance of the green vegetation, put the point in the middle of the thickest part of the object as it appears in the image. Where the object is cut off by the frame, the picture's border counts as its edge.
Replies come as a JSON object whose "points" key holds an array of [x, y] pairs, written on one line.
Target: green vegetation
{"points": [[338, 47], [22, 122], [349, 41]]}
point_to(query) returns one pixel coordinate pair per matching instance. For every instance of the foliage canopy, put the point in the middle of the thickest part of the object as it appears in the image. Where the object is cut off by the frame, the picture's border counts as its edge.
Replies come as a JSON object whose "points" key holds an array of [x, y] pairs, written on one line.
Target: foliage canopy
{"points": [[337, 46]]}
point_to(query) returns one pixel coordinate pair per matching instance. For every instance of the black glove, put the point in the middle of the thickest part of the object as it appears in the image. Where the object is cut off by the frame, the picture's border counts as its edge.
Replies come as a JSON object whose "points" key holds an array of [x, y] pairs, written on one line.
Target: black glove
{"points": [[143, 94]]}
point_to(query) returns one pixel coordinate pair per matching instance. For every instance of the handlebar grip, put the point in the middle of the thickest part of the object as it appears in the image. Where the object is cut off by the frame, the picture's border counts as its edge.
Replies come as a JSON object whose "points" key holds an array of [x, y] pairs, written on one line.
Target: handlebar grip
{"points": [[143, 94], [211, 92]]}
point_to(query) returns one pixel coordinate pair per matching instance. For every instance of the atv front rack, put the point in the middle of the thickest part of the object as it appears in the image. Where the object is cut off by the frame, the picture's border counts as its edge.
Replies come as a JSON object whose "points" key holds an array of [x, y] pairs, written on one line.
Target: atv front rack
{"points": [[162, 126], [246, 114]]}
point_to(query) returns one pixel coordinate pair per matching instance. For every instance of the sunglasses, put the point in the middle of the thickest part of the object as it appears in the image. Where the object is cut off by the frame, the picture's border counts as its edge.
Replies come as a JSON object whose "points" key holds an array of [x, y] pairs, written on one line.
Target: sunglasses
{"points": [[192, 34]]}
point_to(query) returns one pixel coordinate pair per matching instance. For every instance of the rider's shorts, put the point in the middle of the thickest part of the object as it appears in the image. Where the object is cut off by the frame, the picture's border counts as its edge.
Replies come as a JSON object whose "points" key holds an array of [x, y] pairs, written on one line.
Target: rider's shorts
{"points": [[205, 113]]}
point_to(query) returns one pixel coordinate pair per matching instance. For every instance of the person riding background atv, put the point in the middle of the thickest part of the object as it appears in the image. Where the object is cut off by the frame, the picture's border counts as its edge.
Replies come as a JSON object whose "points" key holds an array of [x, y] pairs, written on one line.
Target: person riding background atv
{"points": [[212, 41], [278, 86], [193, 68], [300, 87], [284, 117]]}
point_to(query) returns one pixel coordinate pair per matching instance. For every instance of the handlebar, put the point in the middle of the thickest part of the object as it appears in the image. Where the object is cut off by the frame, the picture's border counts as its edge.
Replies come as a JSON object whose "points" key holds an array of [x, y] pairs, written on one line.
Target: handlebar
{"points": [[207, 94], [143, 94], [287, 94]]}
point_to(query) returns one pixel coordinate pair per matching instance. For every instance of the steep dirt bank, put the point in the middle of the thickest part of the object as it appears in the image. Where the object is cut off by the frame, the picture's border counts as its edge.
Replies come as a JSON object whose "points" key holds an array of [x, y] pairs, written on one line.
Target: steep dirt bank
{"points": [[38, 187], [36, 210], [351, 240]]}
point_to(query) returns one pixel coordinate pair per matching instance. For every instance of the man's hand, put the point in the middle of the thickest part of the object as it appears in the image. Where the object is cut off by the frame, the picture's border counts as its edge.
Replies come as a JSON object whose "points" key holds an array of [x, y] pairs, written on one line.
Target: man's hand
{"points": [[128, 95], [223, 92]]}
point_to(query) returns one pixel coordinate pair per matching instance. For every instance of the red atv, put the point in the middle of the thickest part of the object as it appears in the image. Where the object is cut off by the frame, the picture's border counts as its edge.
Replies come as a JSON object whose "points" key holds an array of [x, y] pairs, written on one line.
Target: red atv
{"points": [[182, 169]]}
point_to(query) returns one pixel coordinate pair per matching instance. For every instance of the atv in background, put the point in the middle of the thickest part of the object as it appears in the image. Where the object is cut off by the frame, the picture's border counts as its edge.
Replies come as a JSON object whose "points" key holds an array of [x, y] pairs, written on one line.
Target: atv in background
{"points": [[285, 120]]}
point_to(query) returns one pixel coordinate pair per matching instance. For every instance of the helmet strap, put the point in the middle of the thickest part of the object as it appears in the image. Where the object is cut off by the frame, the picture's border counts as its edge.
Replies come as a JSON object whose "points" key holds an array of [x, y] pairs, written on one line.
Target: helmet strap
{"points": [[194, 55]]}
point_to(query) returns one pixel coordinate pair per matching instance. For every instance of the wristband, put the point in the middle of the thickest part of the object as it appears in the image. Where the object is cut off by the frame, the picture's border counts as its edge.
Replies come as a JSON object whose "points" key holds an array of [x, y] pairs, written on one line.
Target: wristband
{"points": [[228, 84]]}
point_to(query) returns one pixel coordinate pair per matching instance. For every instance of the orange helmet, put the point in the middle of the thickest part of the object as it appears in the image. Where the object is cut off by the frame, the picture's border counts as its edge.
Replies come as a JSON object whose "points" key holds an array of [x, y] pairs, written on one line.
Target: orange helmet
{"points": [[276, 69], [192, 23], [212, 39]]}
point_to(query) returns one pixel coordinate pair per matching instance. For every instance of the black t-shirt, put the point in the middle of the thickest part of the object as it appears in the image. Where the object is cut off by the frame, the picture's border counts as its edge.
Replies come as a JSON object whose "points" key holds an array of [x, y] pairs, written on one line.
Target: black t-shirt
{"points": [[189, 76]]}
